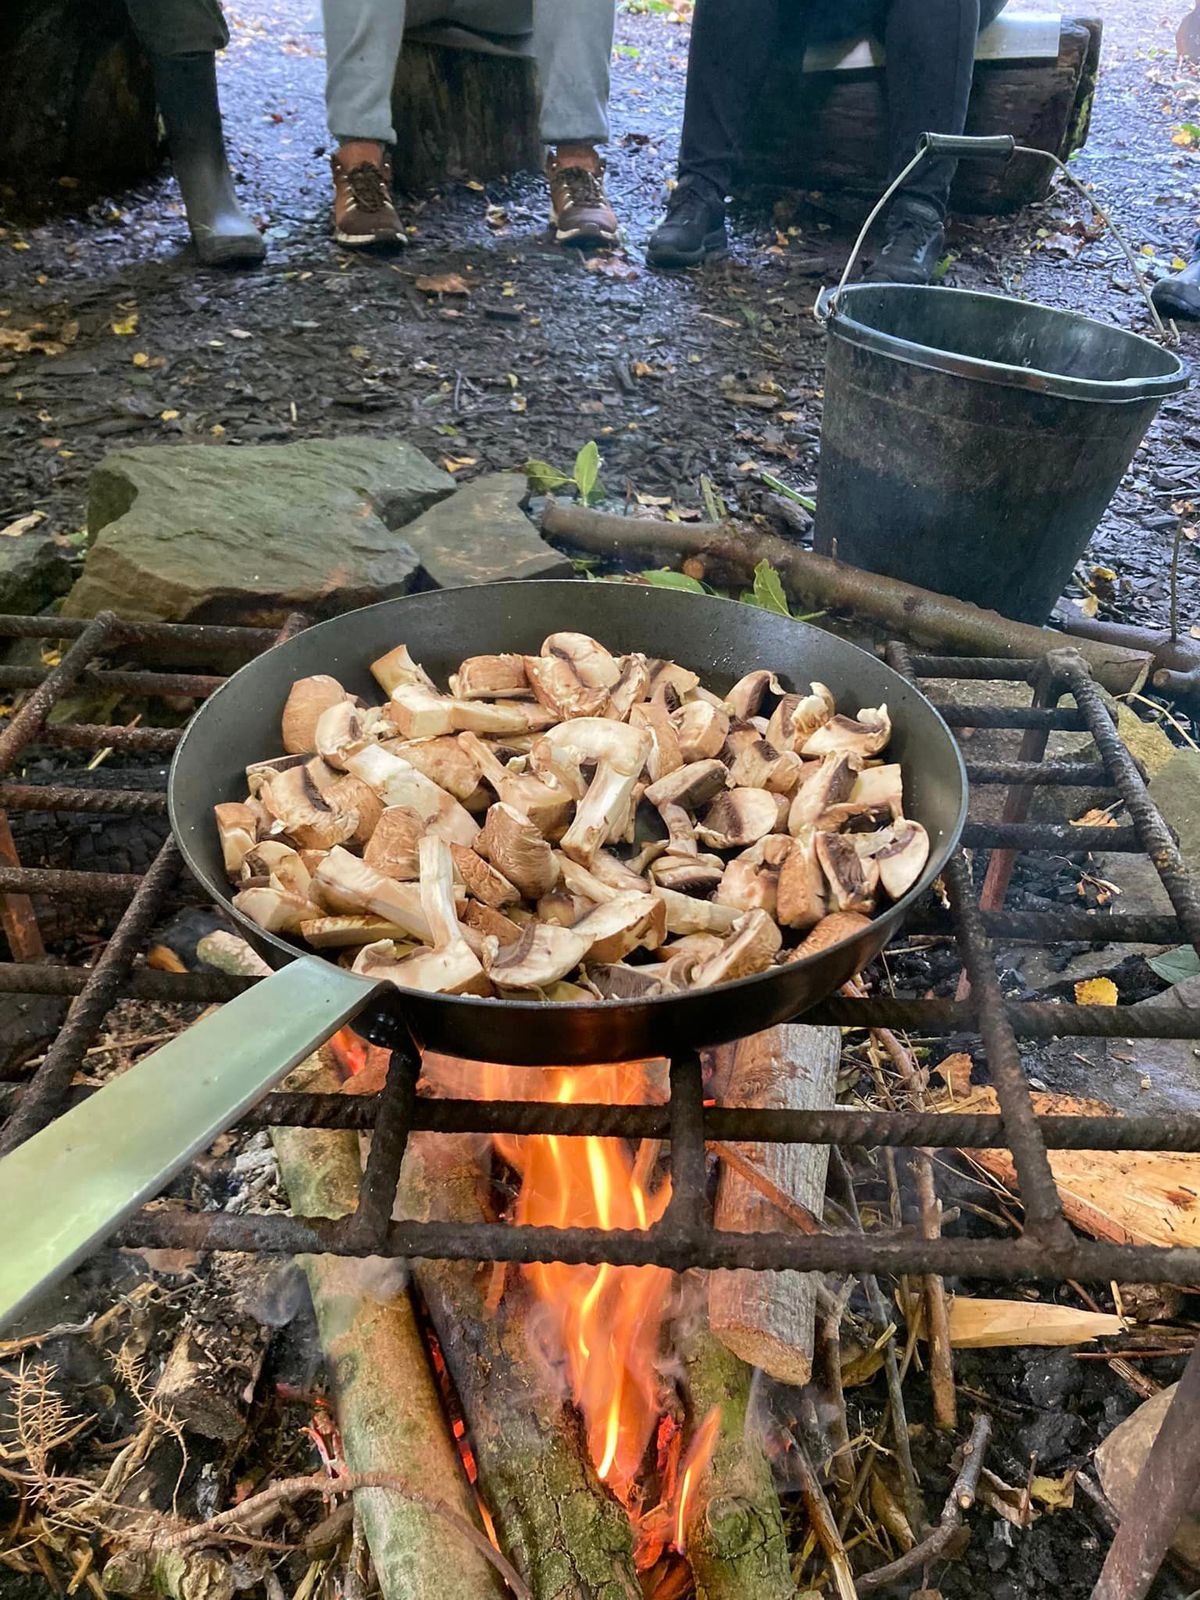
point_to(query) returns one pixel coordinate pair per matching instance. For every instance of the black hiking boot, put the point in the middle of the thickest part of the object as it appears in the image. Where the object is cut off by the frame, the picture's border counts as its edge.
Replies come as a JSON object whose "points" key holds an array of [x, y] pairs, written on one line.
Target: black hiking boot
{"points": [[914, 239], [693, 230], [1179, 295]]}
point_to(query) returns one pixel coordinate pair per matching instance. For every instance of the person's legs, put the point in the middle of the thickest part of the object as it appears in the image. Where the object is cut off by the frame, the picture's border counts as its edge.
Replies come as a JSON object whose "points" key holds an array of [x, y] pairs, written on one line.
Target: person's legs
{"points": [[362, 44], [182, 38], [573, 44], [1179, 295]]}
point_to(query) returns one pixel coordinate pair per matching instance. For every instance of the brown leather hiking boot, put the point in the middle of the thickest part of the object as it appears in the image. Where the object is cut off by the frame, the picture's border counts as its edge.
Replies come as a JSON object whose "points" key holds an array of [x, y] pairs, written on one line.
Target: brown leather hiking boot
{"points": [[579, 208], [363, 212]]}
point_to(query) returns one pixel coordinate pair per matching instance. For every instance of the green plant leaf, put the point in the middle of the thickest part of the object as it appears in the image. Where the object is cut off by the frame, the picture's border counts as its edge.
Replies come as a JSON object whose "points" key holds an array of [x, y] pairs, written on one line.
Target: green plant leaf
{"points": [[1175, 965], [768, 590], [543, 478], [664, 578], [587, 472]]}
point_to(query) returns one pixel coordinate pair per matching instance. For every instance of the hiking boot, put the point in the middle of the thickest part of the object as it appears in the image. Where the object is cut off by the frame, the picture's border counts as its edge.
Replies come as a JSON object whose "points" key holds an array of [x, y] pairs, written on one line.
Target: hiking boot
{"points": [[363, 212], [914, 239], [579, 208], [693, 230], [1179, 295]]}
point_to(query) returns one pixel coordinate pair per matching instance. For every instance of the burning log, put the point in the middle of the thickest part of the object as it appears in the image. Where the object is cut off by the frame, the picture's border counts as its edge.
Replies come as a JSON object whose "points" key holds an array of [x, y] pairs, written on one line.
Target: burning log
{"points": [[389, 1410], [766, 1318], [554, 1519], [732, 550]]}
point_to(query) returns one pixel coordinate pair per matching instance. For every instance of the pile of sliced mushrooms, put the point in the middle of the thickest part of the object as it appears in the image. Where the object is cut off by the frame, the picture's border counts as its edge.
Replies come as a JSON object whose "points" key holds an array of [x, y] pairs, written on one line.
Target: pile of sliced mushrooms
{"points": [[569, 826]]}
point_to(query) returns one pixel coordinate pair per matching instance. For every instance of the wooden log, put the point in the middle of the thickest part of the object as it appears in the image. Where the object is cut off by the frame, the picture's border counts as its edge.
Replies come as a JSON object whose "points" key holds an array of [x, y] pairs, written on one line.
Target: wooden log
{"points": [[733, 1528], [766, 1318], [731, 551], [829, 130], [388, 1407], [209, 1377], [462, 114], [555, 1521]]}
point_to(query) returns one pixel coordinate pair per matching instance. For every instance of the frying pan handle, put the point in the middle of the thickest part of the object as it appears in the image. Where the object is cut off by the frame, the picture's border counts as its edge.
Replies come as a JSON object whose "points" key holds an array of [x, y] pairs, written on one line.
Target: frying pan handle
{"points": [[72, 1184]]}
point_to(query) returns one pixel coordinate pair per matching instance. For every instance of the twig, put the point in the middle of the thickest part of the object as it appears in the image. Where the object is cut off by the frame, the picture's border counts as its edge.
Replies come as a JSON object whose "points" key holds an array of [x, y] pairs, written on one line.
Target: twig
{"points": [[823, 1523], [937, 1314], [959, 1501], [230, 1524], [841, 1460], [1173, 614]]}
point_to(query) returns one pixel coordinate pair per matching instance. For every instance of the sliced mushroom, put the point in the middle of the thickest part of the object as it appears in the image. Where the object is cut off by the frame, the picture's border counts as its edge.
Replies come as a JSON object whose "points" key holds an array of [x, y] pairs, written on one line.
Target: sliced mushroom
{"points": [[348, 793], [750, 948], [798, 716], [687, 915], [631, 688], [751, 881], [482, 880], [345, 728], [562, 907], [392, 848], [303, 813], [582, 881], [421, 713], [619, 982], [273, 909], [672, 683], [880, 788], [694, 946], [604, 813], [902, 862], [746, 697], [237, 828], [864, 735], [546, 802], [260, 772], [347, 884], [446, 763], [801, 897], [665, 755], [829, 931], [397, 668], [852, 881], [564, 751], [278, 864], [758, 765], [398, 783], [615, 874], [822, 784], [349, 932], [452, 970], [490, 678], [572, 675], [630, 922], [682, 792], [308, 699], [517, 848], [739, 817], [489, 923], [697, 875], [701, 730], [541, 956]]}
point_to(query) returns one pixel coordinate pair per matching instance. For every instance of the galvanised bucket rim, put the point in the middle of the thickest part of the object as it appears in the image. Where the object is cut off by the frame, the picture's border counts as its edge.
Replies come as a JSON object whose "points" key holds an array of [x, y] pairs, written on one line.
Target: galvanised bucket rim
{"points": [[843, 325]]}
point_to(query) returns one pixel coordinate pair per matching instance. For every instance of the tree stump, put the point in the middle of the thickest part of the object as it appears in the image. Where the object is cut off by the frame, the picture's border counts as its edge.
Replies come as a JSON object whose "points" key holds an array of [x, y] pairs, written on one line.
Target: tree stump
{"points": [[76, 97], [463, 113], [828, 130]]}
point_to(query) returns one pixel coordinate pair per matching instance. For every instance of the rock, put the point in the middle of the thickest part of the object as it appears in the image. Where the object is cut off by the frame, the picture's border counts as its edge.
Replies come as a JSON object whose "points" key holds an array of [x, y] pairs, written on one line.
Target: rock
{"points": [[1121, 1457], [1175, 790], [33, 571], [201, 533], [482, 536], [1052, 1435]]}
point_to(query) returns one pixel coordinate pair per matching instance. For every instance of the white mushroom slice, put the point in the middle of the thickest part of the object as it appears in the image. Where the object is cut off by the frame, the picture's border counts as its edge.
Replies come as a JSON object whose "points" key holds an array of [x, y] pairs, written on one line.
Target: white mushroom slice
{"points": [[490, 678], [421, 713], [687, 915], [237, 828], [273, 909], [758, 765], [541, 956], [798, 716], [308, 699], [546, 802], [603, 814], [822, 784], [348, 793], [616, 874], [665, 755], [562, 907], [746, 697], [694, 946], [877, 788], [829, 931], [739, 817], [801, 899], [630, 922], [701, 730], [750, 948], [852, 881], [586, 741], [511, 717], [259, 773], [444, 762], [902, 862], [615, 981], [303, 813], [671, 683], [517, 848], [572, 675], [865, 735], [347, 884], [397, 668], [693, 874], [631, 688], [345, 728], [392, 848], [482, 880], [488, 923], [280, 865], [682, 792], [349, 932], [398, 783], [751, 881], [453, 970], [437, 890], [581, 881]]}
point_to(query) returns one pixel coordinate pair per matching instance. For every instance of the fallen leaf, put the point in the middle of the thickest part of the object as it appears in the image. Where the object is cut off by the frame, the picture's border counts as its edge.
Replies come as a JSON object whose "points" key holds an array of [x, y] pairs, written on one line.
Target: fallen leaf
{"points": [[1014, 1505], [141, 359], [163, 959], [443, 283], [240, 333], [22, 525], [454, 464], [955, 1072], [1096, 818], [1089, 605], [167, 416], [126, 324], [1056, 1494], [641, 369], [1096, 992]]}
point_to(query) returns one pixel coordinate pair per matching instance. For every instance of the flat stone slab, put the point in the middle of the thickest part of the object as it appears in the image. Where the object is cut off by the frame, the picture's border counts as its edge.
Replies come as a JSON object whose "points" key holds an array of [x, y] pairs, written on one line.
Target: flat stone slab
{"points": [[196, 533], [481, 535]]}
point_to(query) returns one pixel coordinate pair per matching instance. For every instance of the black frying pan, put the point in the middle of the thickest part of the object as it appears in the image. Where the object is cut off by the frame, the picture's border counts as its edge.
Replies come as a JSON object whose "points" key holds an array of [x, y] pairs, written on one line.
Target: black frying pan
{"points": [[71, 1184]]}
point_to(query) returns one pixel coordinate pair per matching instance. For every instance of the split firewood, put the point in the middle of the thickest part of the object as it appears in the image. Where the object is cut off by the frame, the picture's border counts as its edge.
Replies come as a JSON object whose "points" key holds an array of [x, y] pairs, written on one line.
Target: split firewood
{"points": [[555, 1521], [389, 1411], [766, 1318], [211, 1373], [992, 1324], [730, 551]]}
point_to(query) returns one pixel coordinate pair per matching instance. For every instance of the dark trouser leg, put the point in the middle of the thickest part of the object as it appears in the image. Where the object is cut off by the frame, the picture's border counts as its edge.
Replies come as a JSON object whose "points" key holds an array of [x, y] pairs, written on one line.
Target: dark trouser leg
{"points": [[181, 37], [930, 61], [732, 45]]}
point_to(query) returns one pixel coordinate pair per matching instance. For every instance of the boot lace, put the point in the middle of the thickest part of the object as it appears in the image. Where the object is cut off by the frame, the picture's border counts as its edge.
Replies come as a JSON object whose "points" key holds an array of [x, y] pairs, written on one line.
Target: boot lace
{"points": [[583, 187], [368, 187], [909, 233], [686, 203]]}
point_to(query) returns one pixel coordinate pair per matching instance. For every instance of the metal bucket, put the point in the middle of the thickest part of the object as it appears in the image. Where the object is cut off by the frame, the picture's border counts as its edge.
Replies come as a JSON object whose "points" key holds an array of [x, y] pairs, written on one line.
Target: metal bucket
{"points": [[970, 443]]}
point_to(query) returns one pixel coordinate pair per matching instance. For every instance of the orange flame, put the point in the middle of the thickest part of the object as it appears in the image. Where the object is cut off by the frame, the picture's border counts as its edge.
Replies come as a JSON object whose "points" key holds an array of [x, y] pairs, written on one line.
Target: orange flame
{"points": [[695, 1462]]}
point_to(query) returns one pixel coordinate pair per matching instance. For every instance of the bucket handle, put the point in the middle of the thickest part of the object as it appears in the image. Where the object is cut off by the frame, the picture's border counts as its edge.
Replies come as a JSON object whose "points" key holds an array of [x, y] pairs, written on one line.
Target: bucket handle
{"points": [[1002, 147]]}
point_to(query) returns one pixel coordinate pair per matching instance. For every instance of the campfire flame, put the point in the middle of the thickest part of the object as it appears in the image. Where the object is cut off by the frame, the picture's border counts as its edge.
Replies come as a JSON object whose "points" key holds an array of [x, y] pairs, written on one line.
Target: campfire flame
{"points": [[700, 1453]]}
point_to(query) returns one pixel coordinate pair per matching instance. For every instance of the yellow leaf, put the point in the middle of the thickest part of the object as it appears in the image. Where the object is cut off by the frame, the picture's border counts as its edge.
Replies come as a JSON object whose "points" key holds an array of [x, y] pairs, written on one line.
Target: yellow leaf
{"points": [[19, 244], [216, 430], [1177, 263], [1056, 1494], [454, 464], [168, 416], [443, 283], [1089, 605], [474, 183], [1096, 818], [22, 525], [126, 324], [141, 359], [1096, 992], [955, 1071]]}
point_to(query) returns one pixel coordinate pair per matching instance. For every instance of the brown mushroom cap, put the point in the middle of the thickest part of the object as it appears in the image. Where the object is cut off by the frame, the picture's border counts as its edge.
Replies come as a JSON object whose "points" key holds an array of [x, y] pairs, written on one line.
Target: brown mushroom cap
{"points": [[444, 762], [489, 923], [490, 678], [665, 755], [516, 848], [829, 931], [303, 813], [751, 947], [822, 784], [392, 848], [482, 880], [572, 675], [542, 955], [758, 765], [801, 898], [307, 700], [746, 697]]}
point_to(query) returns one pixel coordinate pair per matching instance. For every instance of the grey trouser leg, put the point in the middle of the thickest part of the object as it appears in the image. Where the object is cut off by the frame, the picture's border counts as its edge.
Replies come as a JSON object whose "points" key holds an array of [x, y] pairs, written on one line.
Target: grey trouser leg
{"points": [[572, 42], [178, 27]]}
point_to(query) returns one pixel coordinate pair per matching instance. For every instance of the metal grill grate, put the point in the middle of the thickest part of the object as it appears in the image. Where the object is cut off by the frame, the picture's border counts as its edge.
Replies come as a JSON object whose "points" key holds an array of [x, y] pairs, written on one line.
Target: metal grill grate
{"points": [[685, 1237]]}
